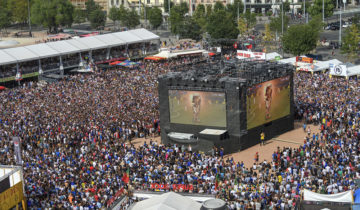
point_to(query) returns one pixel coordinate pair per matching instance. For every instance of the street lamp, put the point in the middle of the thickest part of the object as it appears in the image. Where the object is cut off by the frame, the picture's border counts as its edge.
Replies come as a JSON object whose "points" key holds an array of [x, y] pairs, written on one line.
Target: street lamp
{"points": [[323, 9], [28, 2]]}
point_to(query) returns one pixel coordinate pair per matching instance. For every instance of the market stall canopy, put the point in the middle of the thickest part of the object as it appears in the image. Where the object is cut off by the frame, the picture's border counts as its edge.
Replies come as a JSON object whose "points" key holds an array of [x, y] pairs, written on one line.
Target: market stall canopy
{"points": [[273, 56], [345, 70], [167, 201], [128, 63], [154, 58], [115, 63], [164, 54]]}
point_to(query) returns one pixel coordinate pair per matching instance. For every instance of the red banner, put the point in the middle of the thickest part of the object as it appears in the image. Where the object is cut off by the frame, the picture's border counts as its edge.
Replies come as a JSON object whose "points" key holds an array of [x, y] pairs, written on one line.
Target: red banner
{"points": [[171, 186]]}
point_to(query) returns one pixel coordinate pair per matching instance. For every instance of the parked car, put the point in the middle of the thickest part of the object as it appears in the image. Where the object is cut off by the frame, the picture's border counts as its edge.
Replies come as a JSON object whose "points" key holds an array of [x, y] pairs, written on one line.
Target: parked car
{"points": [[346, 25], [335, 27]]}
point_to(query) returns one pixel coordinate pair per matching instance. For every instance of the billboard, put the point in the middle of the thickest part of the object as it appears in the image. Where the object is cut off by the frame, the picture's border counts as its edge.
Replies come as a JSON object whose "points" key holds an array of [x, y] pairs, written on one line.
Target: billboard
{"points": [[197, 108], [12, 196], [242, 54], [268, 101]]}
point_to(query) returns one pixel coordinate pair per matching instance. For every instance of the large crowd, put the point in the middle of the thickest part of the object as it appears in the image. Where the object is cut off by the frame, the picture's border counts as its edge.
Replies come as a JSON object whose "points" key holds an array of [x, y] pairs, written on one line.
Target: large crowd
{"points": [[76, 142]]}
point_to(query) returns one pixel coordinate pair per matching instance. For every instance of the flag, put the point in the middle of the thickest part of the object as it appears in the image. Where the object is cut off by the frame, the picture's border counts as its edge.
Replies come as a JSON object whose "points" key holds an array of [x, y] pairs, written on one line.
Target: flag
{"points": [[126, 176], [249, 46], [217, 181]]}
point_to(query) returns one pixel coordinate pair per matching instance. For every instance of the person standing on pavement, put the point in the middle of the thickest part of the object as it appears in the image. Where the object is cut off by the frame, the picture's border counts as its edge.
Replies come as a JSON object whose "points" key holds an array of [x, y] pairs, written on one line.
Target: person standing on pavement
{"points": [[262, 138]]}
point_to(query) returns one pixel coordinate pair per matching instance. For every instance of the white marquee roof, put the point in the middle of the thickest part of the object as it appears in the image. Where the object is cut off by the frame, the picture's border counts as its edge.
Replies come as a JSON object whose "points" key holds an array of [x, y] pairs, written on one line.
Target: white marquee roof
{"points": [[51, 49], [42, 50]]}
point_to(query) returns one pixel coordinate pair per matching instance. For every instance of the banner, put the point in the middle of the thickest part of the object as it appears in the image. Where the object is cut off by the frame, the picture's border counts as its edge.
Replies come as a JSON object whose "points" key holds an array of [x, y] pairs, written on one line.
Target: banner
{"points": [[11, 197], [304, 59], [17, 150], [172, 186], [242, 54], [338, 70], [344, 197]]}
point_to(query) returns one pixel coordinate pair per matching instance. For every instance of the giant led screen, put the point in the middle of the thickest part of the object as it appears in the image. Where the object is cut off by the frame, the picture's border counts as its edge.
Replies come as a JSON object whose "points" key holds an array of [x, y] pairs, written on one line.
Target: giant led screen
{"points": [[268, 101], [197, 108]]}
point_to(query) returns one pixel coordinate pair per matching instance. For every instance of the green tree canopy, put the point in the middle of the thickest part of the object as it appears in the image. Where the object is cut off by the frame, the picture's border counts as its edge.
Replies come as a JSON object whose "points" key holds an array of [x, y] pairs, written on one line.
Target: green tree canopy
{"points": [[90, 6], [233, 8], [177, 17], [79, 16], [52, 13], [276, 24], [218, 6], [286, 6], [5, 18], [350, 44], [166, 5], [155, 17], [316, 8], [250, 19], [190, 29], [199, 17], [221, 25], [97, 18], [114, 14], [132, 19], [300, 39], [18, 10], [209, 10]]}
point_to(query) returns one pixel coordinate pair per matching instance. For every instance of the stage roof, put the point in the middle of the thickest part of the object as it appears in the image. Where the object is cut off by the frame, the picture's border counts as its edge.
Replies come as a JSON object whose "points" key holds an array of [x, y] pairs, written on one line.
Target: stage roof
{"points": [[43, 50]]}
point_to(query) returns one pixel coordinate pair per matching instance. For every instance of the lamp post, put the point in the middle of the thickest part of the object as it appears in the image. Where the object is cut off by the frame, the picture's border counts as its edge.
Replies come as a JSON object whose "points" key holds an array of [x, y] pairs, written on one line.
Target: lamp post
{"points": [[323, 11], [244, 6], [282, 26], [304, 9], [238, 10], [28, 2], [340, 28]]}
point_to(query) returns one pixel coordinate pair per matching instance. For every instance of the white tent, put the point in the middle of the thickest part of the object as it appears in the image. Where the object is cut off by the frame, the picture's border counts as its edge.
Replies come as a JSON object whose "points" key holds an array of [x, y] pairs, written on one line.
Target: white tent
{"points": [[144, 34], [164, 54], [42, 50], [6, 58], [272, 56], [21, 54], [288, 61], [128, 37], [63, 47], [111, 40], [167, 201], [93, 43], [74, 42], [345, 197]]}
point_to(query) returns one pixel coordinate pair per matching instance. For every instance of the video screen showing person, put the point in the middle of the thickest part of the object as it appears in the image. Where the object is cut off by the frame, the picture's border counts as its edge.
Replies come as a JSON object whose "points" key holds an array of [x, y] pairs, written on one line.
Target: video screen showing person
{"points": [[197, 108], [268, 101]]}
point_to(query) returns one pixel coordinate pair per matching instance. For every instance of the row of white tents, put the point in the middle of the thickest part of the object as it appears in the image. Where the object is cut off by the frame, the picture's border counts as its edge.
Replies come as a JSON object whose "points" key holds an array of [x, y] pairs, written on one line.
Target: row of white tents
{"points": [[66, 47]]}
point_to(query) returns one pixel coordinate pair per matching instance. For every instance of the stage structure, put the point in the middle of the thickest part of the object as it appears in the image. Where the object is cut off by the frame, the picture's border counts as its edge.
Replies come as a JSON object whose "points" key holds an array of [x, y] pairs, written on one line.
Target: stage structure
{"points": [[12, 187], [226, 104]]}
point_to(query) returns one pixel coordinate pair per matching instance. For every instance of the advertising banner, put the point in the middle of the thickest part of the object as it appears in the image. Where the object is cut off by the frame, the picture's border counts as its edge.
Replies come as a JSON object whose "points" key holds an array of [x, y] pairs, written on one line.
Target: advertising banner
{"points": [[172, 186], [344, 197], [17, 150], [242, 54], [11, 197], [338, 70]]}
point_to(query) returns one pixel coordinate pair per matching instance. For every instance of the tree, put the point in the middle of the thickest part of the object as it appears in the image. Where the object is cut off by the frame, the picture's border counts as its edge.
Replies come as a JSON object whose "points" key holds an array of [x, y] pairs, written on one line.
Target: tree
{"points": [[316, 8], [242, 26], [286, 6], [52, 13], [250, 19], [276, 24], [166, 5], [190, 29], [90, 6], [300, 39], [97, 18], [350, 44], [234, 8], [221, 25], [79, 16], [18, 10], [209, 10], [5, 19], [155, 17], [199, 17], [114, 14], [268, 36], [132, 19], [218, 6], [177, 16], [307, 6], [123, 13]]}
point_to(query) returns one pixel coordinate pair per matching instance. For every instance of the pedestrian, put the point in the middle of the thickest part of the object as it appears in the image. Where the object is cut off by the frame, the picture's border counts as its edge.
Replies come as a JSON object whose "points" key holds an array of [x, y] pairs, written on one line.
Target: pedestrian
{"points": [[262, 138]]}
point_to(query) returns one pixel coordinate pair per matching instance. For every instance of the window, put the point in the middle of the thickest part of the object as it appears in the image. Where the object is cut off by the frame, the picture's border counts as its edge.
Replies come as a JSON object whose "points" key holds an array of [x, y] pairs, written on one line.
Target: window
{"points": [[148, 1]]}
